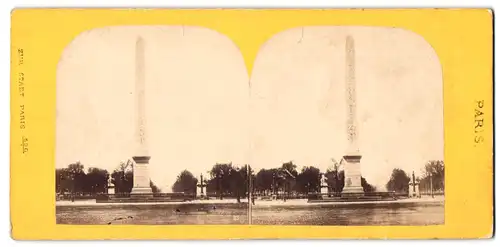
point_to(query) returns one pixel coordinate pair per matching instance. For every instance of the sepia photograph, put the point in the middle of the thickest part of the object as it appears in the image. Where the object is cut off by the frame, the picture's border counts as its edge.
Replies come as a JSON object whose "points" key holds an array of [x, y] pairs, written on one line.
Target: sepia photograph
{"points": [[333, 125], [348, 124]]}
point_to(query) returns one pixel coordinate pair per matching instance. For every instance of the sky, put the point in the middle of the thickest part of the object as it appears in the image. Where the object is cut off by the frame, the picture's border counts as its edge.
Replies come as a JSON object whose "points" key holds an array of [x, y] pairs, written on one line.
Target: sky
{"points": [[200, 109]]}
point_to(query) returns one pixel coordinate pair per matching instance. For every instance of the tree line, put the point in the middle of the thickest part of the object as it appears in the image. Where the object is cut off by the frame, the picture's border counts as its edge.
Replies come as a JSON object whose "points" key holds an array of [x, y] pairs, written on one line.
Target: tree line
{"points": [[433, 172], [232, 180], [75, 179]]}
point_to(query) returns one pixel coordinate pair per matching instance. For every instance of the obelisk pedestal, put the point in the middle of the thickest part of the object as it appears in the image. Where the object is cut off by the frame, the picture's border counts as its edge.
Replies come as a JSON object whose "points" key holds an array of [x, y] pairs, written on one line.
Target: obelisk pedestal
{"points": [[352, 173], [141, 186], [352, 158]]}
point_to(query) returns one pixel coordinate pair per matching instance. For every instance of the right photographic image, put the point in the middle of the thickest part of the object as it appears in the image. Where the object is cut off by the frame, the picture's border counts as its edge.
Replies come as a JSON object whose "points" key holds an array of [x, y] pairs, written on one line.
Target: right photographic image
{"points": [[347, 129]]}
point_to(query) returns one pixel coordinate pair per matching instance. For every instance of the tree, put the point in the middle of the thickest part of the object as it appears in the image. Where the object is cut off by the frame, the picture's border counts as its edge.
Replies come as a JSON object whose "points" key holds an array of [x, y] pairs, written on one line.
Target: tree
{"points": [[436, 168], [221, 174], [335, 179], [96, 180], [366, 186], [63, 180], [185, 183], [123, 181], [154, 188], [212, 186], [277, 180], [123, 177], [237, 179], [264, 181], [245, 173], [290, 167], [308, 179], [287, 175], [75, 177], [399, 181]]}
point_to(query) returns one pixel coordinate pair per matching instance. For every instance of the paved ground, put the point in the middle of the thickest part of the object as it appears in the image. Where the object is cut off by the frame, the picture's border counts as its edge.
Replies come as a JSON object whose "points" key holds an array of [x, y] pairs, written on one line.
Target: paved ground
{"points": [[421, 211], [383, 213], [295, 202], [154, 214], [93, 202]]}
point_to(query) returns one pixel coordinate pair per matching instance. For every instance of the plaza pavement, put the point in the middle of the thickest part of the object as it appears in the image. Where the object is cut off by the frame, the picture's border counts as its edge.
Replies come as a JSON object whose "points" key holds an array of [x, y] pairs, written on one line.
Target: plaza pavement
{"points": [[258, 203]]}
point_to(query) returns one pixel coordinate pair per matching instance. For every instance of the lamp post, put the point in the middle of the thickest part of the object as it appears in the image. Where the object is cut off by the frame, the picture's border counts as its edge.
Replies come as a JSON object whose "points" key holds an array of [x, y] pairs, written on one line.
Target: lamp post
{"points": [[273, 185], [106, 185], [432, 190], [72, 187], [219, 185], [221, 174], [59, 186], [250, 196], [319, 183]]}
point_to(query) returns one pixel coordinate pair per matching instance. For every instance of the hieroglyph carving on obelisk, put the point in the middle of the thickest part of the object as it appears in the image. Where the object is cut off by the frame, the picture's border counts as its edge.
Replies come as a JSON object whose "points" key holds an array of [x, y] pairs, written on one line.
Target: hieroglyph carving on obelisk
{"points": [[352, 157], [141, 96], [351, 96], [141, 158]]}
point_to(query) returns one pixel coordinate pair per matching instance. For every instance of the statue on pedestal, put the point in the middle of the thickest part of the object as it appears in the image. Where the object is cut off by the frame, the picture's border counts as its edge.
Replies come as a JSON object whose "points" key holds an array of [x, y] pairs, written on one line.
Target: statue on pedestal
{"points": [[202, 184], [323, 184], [413, 188], [111, 186]]}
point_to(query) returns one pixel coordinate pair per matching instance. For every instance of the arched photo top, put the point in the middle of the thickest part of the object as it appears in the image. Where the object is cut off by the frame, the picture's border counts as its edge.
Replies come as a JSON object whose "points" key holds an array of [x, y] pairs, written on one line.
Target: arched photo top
{"points": [[331, 36], [171, 34]]}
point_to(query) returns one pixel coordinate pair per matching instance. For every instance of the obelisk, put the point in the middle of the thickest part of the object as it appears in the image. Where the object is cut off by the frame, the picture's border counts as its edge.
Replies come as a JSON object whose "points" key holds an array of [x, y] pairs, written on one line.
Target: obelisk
{"points": [[141, 186], [352, 157]]}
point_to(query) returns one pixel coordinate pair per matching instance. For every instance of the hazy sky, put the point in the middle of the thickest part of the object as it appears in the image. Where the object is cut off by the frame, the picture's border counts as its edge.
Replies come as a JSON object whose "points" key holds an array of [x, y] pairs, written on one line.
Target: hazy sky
{"points": [[199, 111]]}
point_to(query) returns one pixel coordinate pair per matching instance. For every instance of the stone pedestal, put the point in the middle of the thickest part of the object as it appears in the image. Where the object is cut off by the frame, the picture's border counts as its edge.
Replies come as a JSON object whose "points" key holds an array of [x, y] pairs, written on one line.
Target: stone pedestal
{"points": [[111, 190], [352, 171], [200, 192], [142, 187], [324, 190], [413, 190], [323, 184]]}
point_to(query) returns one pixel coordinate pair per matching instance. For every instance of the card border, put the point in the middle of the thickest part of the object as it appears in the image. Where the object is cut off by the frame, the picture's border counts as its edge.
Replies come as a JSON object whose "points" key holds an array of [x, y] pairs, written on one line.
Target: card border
{"points": [[462, 39]]}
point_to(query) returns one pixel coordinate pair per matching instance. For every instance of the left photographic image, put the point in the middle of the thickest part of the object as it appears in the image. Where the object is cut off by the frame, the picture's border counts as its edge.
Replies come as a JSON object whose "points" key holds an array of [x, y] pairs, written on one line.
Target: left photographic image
{"points": [[151, 128]]}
